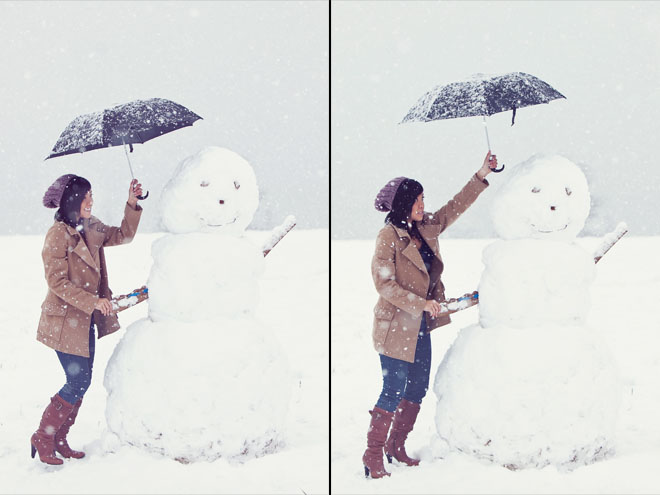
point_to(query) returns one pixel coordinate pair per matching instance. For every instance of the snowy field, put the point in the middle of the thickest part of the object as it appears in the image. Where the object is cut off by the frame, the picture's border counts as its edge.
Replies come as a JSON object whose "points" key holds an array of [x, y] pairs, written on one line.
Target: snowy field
{"points": [[293, 301], [624, 308]]}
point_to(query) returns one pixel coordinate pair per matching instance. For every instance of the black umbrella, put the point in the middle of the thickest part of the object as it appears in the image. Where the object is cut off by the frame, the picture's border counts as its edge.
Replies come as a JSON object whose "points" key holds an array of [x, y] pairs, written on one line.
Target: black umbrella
{"points": [[134, 122], [482, 95]]}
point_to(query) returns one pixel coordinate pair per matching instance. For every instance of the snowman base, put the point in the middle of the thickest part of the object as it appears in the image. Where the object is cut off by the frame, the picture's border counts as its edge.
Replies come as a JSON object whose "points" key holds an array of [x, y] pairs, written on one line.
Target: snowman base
{"points": [[531, 397], [186, 391]]}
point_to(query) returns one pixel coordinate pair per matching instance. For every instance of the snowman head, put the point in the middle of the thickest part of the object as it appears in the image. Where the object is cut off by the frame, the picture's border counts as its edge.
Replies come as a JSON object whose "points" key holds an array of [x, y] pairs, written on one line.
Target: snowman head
{"points": [[213, 191], [546, 197]]}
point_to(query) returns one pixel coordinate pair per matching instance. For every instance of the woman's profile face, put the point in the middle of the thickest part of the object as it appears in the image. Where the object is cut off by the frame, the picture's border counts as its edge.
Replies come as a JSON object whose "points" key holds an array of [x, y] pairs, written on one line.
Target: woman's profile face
{"points": [[86, 205], [417, 213]]}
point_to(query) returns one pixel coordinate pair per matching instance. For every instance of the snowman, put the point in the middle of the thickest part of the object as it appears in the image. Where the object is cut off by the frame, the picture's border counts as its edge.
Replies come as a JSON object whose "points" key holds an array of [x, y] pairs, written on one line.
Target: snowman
{"points": [[532, 384], [201, 378]]}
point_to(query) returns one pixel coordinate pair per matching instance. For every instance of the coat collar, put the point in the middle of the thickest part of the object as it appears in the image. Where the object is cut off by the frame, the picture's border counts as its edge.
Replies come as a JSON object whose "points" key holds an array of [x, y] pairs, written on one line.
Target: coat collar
{"points": [[93, 221], [430, 240], [410, 251], [81, 248], [401, 232]]}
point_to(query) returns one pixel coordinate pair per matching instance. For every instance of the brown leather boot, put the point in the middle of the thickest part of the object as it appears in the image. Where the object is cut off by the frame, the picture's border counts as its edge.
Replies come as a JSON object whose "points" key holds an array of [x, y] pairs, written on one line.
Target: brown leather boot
{"points": [[404, 420], [61, 445], [43, 440], [373, 456]]}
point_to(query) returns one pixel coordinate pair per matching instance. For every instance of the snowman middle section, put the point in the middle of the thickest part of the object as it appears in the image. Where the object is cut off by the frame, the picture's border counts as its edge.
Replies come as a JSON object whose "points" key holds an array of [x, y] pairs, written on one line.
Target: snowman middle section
{"points": [[199, 276], [531, 282]]}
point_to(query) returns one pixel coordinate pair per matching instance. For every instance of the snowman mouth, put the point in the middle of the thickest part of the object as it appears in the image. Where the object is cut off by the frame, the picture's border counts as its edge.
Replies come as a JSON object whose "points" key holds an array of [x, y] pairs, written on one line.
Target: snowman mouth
{"points": [[221, 224], [549, 231]]}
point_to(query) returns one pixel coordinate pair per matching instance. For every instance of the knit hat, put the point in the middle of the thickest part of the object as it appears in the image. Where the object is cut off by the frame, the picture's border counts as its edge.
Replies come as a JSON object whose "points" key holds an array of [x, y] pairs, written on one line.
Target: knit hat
{"points": [[54, 193], [386, 195]]}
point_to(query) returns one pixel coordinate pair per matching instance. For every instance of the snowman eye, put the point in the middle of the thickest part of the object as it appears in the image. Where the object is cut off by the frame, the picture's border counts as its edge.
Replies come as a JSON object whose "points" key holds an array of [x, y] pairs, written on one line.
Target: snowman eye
{"points": [[237, 184], [536, 189], [204, 184], [568, 191]]}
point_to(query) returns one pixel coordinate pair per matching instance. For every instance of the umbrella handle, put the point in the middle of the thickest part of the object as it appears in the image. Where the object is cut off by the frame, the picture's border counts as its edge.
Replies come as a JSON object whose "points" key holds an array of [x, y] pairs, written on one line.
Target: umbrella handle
{"points": [[146, 195], [496, 170]]}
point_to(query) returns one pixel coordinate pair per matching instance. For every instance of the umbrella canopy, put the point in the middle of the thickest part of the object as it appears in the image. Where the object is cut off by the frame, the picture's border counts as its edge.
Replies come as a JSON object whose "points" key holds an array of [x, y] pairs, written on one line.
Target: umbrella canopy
{"points": [[134, 122], [482, 95]]}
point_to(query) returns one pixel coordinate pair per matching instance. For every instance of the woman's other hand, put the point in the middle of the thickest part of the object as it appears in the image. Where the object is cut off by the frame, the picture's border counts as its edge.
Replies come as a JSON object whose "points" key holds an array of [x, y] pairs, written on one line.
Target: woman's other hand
{"points": [[134, 191], [104, 306], [490, 163], [433, 307]]}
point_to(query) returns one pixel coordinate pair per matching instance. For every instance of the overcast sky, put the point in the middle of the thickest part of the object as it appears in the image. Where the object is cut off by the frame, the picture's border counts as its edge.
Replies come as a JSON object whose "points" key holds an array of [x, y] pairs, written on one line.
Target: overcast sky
{"points": [[602, 55], [257, 72]]}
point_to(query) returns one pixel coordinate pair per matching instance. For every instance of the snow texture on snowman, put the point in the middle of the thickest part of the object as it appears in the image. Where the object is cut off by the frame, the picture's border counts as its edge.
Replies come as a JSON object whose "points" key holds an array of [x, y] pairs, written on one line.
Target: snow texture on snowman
{"points": [[532, 384], [201, 377]]}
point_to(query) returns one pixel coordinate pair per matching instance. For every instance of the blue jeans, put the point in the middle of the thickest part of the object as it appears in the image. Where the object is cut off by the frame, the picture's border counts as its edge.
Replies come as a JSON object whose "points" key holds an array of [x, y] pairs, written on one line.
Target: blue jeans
{"points": [[404, 380], [78, 371]]}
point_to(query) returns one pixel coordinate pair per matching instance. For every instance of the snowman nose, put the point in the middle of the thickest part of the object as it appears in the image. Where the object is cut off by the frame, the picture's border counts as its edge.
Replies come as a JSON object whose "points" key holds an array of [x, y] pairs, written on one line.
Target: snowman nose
{"points": [[222, 202]]}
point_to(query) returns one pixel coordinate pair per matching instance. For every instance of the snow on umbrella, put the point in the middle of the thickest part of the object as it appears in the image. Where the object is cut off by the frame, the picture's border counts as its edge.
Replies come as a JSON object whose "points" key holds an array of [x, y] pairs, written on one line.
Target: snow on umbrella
{"points": [[134, 122], [482, 95]]}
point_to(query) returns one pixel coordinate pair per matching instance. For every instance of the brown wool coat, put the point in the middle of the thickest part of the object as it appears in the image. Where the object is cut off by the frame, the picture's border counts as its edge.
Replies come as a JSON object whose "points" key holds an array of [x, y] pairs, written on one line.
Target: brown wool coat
{"points": [[402, 281], [77, 277]]}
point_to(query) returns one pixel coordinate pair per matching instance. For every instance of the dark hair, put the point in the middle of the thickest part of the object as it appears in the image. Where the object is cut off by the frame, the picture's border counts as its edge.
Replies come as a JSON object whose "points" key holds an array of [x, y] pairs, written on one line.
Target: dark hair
{"points": [[72, 197], [402, 204]]}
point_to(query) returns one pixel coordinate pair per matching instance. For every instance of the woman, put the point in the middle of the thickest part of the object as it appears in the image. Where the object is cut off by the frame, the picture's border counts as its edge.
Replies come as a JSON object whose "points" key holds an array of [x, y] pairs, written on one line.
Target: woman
{"points": [[78, 298], [406, 269]]}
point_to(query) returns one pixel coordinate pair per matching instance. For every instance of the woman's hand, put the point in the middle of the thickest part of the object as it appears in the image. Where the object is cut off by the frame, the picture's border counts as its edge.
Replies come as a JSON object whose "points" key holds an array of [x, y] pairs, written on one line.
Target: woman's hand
{"points": [[134, 191], [490, 163], [104, 306], [433, 307]]}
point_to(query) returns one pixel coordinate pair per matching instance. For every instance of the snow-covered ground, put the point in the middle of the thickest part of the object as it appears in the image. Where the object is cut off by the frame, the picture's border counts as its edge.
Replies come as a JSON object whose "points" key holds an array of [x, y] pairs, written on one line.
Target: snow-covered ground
{"points": [[294, 300], [624, 309]]}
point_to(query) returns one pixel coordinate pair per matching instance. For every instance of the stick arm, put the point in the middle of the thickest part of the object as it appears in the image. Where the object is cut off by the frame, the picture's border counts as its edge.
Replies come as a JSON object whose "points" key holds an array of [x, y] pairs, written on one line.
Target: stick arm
{"points": [[278, 233], [610, 240]]}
